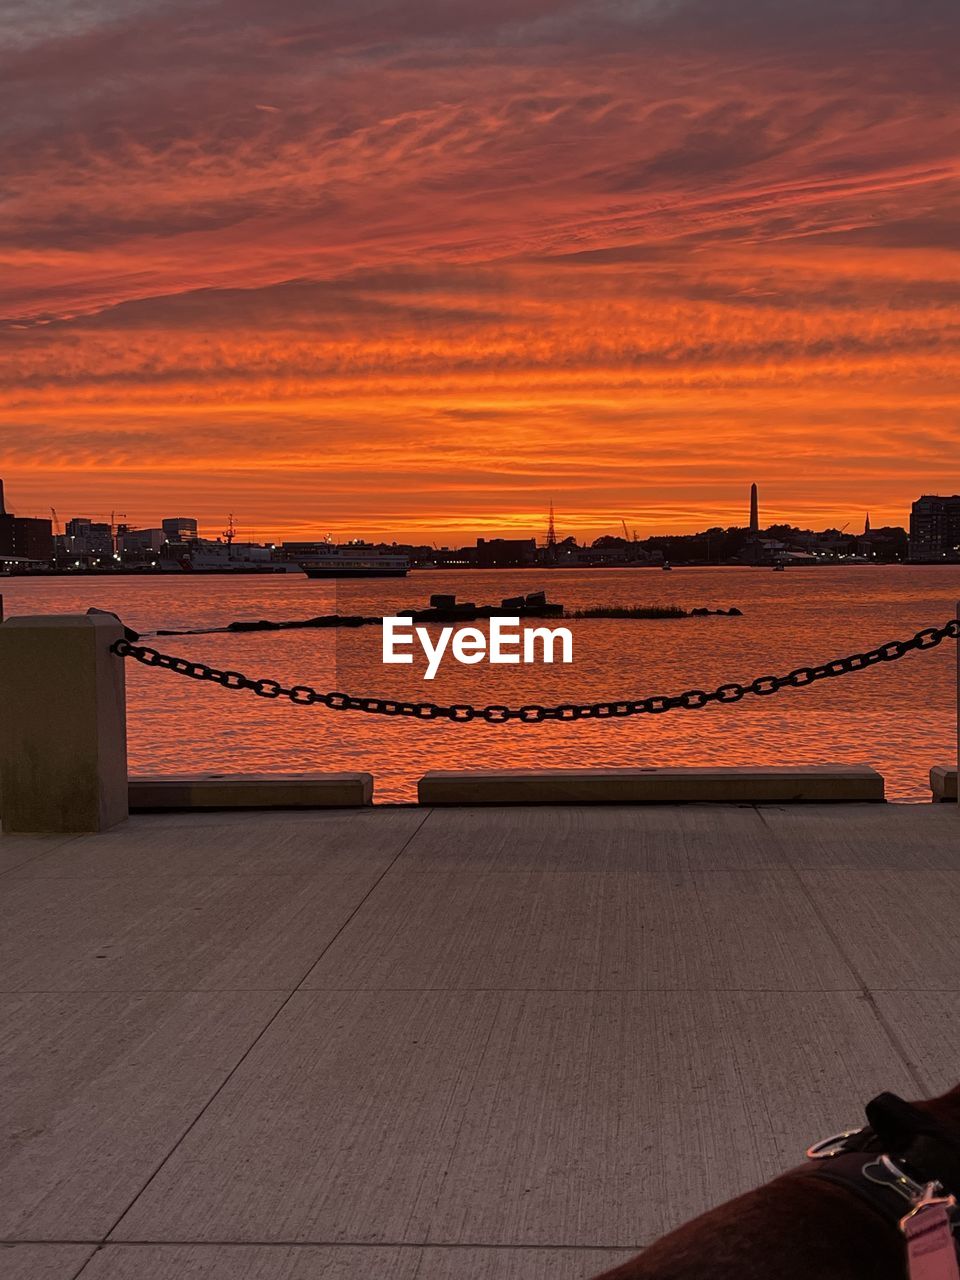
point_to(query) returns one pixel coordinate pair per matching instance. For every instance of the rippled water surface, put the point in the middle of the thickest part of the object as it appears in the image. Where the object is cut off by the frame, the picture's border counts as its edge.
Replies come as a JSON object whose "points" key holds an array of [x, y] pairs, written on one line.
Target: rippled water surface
{"points": [[899, 717]]}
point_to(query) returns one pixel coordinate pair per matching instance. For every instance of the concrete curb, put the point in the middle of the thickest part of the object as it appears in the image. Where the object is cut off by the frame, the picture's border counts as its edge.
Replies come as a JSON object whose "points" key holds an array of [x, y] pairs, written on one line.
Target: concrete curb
{"points": [[943, 783], [814, 783], [252, 791]]}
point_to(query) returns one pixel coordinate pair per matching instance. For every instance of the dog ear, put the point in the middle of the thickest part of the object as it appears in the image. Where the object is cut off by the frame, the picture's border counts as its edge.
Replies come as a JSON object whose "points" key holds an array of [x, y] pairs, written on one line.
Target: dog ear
{"points": [[897, 1123]]}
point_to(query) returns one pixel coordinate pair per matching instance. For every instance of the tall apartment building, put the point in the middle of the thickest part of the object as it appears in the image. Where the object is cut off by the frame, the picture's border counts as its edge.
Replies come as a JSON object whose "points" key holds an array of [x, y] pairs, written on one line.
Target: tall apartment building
{"points": [[84, 537], [935, 528]]}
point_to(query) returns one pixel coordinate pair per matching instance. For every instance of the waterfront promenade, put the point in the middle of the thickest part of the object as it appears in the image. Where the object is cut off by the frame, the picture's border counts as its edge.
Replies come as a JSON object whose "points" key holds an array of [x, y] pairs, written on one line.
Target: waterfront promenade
{"points": [[425, 1044]]}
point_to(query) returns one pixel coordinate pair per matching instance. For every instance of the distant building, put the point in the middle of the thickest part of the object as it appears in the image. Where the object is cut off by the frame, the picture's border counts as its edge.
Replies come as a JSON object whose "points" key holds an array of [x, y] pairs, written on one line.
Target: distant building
{"points": [[762, 551], [140, 539], [506, 553], [83, 538], [180, 529], [935, 528], [886, 546], [754, 510], [26, 538], [23, 538]]}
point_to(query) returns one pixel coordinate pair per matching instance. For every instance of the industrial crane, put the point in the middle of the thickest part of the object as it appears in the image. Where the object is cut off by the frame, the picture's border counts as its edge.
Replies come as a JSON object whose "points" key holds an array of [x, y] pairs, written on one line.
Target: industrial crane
{"points": [[58, 540]]}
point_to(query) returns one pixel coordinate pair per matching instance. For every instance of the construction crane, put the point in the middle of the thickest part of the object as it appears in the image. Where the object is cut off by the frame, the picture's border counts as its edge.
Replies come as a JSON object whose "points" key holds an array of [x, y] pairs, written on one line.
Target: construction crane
{"points": [[58, 540], [114, 545]]}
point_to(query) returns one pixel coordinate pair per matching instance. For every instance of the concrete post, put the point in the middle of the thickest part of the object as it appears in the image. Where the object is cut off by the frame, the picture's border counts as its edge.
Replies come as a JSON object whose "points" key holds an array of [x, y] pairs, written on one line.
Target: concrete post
{"points": [[63, 724]]}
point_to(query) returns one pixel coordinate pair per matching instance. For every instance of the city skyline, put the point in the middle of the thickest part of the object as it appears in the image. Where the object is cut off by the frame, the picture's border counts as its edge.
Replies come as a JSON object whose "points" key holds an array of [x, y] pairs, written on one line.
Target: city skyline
{"points": [[180, 542], [757, 518], [420, 274], [523, 523]]}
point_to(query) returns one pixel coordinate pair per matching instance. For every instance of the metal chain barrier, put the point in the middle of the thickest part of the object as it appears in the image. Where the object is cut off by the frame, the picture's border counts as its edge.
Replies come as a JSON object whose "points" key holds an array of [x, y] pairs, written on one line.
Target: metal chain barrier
{"points": [[692, 700]]}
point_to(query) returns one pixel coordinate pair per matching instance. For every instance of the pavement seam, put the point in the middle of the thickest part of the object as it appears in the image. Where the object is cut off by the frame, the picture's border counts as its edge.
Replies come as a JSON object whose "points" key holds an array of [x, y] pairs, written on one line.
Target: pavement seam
{"points": [[899, 1049], [262, 1032], [87, 1260]]}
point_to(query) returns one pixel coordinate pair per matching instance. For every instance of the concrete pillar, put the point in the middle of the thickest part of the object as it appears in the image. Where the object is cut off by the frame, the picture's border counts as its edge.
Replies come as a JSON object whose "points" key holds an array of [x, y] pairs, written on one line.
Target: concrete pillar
{"points": [[63, 724]]}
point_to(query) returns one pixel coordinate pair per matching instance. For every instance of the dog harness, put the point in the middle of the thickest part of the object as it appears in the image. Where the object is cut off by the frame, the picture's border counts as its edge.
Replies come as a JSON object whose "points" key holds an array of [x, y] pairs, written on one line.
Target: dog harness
{"points": [[902, 1164]]}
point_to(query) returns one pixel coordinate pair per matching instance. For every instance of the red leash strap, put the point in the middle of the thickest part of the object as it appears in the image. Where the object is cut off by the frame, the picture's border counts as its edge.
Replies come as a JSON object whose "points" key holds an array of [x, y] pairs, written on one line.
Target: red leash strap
{"points": [[931, 1254]]}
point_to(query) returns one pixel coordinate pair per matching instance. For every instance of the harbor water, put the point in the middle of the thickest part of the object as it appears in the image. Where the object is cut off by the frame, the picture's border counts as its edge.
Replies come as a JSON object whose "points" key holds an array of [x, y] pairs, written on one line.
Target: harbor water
{"points": [[899, 717]]}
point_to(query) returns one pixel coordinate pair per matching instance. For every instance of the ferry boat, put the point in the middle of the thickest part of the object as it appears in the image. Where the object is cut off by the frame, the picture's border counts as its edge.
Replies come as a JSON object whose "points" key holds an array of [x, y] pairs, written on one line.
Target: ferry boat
{"points": [[356, 560]]}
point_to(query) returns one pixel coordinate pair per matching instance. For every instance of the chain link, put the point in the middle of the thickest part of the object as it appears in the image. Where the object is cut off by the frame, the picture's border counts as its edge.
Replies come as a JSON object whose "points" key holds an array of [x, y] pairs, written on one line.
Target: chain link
{"points": [[460, 713]]}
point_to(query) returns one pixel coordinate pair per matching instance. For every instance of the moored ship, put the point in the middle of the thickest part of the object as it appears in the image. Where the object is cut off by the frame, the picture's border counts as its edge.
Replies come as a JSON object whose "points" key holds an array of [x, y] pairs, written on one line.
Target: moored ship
{"points": [[356, 560]]}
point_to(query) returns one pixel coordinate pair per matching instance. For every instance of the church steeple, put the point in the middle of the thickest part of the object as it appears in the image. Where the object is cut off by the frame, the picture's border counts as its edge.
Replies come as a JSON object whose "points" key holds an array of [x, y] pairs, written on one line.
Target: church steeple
{"points": [[866, 527]]}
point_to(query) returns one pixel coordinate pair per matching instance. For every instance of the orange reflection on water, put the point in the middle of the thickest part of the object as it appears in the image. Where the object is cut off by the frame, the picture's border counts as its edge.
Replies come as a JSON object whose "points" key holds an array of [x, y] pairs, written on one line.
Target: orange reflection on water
{"points": [[898, 717]]}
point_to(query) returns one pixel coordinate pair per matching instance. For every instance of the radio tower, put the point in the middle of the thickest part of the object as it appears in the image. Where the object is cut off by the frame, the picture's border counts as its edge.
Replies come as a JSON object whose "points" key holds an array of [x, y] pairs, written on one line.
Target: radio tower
{"points": [[551, 530]]}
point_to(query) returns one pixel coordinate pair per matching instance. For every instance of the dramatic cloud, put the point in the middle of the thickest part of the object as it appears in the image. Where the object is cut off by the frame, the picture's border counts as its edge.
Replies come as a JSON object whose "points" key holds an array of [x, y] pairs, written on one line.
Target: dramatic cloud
{"points": [[413, 269]]}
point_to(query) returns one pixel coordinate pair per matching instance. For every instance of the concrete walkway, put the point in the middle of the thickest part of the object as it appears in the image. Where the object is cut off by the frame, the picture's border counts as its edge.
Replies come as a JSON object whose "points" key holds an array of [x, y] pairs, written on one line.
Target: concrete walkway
{"points": [[421, 1045]]}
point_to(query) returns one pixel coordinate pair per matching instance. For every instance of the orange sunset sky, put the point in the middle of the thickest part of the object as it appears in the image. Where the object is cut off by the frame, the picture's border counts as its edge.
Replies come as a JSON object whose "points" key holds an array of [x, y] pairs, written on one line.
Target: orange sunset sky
{"points": [[410, 268]]}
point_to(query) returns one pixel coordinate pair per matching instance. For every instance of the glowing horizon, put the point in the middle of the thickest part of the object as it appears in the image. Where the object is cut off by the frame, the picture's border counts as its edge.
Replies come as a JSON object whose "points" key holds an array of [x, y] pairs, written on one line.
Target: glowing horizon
{"points": [[411, 275]]}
